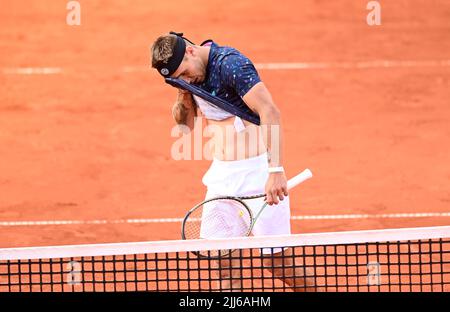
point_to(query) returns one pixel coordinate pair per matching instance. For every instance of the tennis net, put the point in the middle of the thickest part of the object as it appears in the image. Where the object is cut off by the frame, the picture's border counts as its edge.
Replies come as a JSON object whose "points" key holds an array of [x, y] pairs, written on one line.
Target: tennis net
{"points": [[415, 259]]}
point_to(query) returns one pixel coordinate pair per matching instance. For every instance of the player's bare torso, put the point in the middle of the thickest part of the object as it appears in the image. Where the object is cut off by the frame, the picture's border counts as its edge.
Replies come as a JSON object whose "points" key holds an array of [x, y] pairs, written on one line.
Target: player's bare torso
{"points": [[228, 144]]}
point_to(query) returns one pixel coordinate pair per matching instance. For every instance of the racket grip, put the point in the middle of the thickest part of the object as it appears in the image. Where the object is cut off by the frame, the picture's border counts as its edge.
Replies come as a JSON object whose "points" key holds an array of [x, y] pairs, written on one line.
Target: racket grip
{"points": [[299, 178]]}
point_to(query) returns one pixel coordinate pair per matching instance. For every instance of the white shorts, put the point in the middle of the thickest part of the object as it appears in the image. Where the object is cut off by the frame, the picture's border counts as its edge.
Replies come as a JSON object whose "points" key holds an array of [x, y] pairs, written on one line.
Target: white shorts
{"points": [[242, 178]]}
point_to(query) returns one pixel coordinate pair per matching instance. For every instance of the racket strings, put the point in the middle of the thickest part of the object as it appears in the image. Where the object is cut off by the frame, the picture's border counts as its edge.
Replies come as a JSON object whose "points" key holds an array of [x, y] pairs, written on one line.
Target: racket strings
{"points": [[218, 218]]}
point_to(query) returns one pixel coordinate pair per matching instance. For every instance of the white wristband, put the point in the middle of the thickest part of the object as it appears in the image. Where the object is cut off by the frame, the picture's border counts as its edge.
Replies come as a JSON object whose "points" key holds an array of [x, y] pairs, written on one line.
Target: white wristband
{"points": [[276, 169]]}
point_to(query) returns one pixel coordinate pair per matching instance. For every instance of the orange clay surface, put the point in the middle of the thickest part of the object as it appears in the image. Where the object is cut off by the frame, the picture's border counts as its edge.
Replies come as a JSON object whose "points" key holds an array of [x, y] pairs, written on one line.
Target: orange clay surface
{"points": [[92, 142]]}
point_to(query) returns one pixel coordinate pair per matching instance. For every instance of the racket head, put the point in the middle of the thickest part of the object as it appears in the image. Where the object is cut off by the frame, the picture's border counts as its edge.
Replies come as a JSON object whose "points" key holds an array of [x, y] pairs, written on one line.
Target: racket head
{"points": [[218, 217]]}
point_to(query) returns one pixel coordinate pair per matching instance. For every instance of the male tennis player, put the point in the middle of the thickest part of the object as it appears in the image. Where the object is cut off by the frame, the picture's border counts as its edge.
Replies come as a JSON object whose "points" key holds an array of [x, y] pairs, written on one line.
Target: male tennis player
{"points": [[226, 73]]}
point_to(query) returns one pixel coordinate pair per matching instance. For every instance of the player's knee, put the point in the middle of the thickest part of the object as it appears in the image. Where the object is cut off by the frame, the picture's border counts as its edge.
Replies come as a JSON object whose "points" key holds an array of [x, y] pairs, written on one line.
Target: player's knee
{"points": [[225, 273], [229, 273]]}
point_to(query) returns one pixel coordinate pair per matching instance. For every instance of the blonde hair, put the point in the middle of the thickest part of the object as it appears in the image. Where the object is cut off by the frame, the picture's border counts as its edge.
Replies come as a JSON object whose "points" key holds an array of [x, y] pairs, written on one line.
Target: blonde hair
{"points": [[162, 49]]}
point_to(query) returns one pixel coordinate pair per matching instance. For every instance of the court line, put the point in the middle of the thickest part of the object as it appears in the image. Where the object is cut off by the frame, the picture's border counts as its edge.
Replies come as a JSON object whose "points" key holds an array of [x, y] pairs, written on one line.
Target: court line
{"points": [[353, 65], [179, 220], [262, 66], [32, 71]]}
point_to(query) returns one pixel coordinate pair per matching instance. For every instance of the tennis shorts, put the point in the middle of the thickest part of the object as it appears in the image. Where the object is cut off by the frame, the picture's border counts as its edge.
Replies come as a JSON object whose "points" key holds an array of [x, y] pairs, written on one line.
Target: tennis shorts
{"points": [[243, 178]]}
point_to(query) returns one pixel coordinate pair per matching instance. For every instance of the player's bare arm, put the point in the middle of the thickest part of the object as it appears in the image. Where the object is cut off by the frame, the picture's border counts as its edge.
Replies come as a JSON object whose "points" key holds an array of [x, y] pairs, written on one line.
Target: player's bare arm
{"points": [[184, 110], [260, 100]]}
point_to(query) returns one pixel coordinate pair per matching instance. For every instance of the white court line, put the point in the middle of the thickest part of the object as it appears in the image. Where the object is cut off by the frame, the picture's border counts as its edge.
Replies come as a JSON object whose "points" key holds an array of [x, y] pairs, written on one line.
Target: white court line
{"points": [[374, 216], [353, 65], [32, 71], [262, 66], [179, 220]]}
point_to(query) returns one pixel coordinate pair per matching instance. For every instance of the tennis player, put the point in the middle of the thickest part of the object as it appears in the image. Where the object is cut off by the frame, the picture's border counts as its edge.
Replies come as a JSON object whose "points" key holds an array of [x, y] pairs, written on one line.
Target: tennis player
{"points": [[228, 74]]}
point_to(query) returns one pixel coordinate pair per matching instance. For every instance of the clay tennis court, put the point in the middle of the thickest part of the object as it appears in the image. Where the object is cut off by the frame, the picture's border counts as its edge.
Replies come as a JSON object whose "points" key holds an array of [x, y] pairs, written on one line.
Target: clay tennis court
{"points": [[85, 124]]}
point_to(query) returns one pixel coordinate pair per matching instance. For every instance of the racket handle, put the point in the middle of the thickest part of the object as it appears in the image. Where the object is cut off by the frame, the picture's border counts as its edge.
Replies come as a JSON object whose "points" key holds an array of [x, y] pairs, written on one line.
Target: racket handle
{"points": [[299, 178]]}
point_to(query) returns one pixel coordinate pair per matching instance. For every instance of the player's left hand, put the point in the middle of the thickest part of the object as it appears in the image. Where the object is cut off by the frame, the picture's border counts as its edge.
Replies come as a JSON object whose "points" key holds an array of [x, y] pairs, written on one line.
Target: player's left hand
{"points": [[276, 188]]}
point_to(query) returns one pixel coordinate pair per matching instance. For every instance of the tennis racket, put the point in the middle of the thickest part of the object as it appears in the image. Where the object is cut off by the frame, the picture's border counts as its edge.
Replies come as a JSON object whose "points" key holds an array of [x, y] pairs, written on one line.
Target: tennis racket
{"points": [[226, 217]]}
